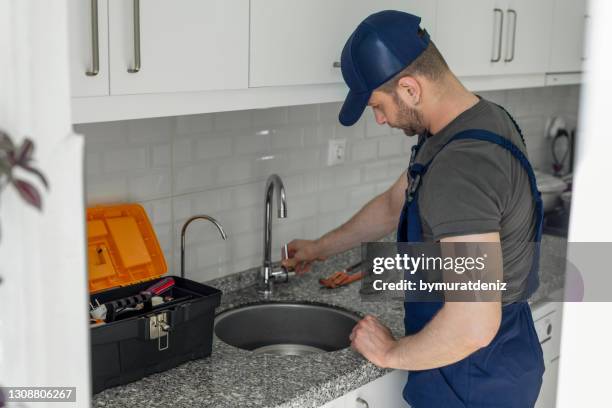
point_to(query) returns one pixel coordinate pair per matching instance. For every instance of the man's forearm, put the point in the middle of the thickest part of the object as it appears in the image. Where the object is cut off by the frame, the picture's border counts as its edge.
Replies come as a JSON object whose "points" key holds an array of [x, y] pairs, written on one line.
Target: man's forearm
{"points": [[375, 220], [446, 339]]}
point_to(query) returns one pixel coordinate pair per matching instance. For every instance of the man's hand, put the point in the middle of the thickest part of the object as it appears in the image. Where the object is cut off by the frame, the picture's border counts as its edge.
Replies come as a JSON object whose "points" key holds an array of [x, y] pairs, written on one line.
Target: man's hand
{"points": [[301, 254], [373, 340]]}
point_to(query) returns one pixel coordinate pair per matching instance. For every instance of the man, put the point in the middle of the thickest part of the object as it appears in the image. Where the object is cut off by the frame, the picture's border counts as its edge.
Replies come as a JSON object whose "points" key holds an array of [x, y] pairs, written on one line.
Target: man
{"points": [[469, 181]]}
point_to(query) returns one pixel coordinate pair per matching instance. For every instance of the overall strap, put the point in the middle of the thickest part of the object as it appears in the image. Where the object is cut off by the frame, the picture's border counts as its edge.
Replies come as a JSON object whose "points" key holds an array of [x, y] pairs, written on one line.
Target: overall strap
{"points": [[485, 135], [417, 170]]}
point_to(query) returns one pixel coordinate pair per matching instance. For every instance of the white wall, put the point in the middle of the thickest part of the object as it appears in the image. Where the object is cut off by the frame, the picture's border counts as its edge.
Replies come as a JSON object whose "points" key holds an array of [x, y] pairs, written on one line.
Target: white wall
{"points": [[584, 370], [44, 334], [217, 164]]}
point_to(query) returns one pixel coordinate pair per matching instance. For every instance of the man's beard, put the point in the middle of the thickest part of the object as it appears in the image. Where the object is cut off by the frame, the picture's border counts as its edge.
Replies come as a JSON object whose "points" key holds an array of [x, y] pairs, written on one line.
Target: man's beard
{"points": [[409, 120]]}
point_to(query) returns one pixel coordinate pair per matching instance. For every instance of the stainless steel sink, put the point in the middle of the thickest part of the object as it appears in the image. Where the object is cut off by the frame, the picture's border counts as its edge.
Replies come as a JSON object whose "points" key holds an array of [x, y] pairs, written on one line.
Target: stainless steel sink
{"points": [[286, 328]]}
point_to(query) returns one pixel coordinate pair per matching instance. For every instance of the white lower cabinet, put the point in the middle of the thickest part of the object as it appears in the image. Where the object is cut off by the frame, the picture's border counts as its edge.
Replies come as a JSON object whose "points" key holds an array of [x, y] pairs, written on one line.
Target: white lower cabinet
{"points": [[385, 392], [547, 318]]}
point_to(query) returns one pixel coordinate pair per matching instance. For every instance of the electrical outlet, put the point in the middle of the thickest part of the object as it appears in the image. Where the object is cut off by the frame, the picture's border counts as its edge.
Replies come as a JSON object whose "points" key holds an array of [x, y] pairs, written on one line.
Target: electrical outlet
{"points": [[336, 151]]}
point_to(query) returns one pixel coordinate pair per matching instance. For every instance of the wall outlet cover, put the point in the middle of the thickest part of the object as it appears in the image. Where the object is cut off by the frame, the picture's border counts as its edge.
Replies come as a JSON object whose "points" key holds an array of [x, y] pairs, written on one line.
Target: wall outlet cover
{"points": [[336, 151]]}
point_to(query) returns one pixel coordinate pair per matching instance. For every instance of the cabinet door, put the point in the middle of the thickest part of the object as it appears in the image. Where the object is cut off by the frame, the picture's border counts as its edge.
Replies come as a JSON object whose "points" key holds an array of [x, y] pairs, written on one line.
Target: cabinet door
{"points": [[296, 42], [527, 36], [567, 42], [187, 45], [88, 36], [384, 392], [470, 34]]}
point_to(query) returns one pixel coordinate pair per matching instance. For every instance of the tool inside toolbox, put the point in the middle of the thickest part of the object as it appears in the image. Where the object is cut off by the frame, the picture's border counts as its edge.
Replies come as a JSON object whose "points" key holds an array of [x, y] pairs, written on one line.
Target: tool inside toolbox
{"points": [[111, 309]]}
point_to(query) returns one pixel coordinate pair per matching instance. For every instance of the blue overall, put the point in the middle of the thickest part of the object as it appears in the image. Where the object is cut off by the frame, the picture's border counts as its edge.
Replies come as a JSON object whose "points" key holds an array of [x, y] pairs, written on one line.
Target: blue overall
{"points": [[508, 372]]}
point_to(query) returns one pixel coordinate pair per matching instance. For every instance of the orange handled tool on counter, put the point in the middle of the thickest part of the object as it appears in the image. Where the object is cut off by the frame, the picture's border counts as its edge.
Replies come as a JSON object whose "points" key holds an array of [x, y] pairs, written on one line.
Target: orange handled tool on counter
{"points": [[342, 278]]}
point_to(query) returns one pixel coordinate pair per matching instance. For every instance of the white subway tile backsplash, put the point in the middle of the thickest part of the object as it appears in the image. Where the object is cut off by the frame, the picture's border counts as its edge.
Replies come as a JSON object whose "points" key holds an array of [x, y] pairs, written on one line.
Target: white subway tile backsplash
{"points": [[182, 150], [328, 112], [288, 137], [105, 134], [247, 244], [182, 207], [375, 171], [194, 124], [161, 155], [193, 177], [364, 150], [213, 148], [145, 131], [391, 145], [160, 211], [333, 201], [301, 207], [357, 131], [253, 142], [250, 194], [154, 184], [360, 195], [235, 170], [305, 159], [304, 114], [217, 164], [93, 163], [125, 160], [266, 118], [373, 129], [211, 254], [232, 120], [108, 189]]}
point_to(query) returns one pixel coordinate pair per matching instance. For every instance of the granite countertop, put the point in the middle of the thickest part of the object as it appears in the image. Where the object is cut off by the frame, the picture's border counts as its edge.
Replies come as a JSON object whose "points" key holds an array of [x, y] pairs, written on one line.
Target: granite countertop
{"points": [[231, 377]]}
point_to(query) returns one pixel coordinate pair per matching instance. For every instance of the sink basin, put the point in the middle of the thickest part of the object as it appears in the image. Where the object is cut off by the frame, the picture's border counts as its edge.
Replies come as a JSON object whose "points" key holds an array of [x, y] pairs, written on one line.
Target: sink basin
{"points": [[286, 328]]}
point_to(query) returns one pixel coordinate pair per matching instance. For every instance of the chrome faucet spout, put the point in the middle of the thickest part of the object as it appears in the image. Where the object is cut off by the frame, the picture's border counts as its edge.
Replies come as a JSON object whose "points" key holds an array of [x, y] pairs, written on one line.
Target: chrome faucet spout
{"points": [[274, 183], [184, 230]]}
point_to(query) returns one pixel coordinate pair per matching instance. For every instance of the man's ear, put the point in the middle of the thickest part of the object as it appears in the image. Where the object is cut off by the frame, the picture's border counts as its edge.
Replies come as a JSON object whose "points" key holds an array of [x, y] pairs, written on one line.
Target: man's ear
{"points": [[410, 90]]}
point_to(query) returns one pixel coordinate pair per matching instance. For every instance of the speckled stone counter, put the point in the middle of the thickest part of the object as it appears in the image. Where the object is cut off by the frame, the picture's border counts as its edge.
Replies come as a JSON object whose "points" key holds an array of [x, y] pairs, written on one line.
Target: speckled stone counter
{"points": [[235, 378]]}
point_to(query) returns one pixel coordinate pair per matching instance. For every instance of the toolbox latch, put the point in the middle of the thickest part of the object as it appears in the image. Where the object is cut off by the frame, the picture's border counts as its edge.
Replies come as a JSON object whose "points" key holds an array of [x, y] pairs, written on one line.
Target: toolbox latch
{"points": [[159, 328]]}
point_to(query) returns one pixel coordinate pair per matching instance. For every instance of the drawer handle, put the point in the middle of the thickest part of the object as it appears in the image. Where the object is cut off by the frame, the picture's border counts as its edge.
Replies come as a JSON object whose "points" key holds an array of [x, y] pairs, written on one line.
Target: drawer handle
{"points": [[511, 57], [137, 65], [95, 47], [362, 403], [497, 54]]}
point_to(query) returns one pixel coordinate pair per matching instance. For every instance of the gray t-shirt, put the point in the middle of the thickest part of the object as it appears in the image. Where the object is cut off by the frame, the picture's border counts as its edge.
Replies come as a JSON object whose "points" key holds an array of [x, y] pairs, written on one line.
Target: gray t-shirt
{"points": [[475, 186]]}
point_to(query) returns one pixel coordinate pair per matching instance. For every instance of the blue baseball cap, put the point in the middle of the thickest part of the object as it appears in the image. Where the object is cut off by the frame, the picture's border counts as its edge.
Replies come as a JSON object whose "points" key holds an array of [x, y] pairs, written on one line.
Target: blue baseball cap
{"points": [[380, 47]]}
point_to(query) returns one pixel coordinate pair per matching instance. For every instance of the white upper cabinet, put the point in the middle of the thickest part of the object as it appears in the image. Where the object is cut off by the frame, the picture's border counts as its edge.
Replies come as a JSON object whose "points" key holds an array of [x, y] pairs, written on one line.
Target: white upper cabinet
{"points": [[159, 46], [493, 37], [88, 34], [297, 42], [567, 47], [527, 36], [469, 35]]}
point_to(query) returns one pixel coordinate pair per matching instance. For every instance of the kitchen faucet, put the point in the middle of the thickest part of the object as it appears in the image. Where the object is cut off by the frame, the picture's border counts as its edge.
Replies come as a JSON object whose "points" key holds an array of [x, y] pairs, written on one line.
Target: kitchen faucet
{"points": [[269, 272], [184, 230]]}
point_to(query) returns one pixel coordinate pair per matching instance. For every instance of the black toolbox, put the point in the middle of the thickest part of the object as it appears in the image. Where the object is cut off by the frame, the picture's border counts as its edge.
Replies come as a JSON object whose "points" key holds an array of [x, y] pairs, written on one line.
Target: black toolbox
{"points": [[122, 248]]}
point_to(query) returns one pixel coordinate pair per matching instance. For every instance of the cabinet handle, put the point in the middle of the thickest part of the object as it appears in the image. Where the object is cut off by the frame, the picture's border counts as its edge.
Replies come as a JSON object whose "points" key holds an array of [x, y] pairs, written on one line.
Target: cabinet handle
{"points": [[585, 28], [95, 46], [136, 66], [362, 403], [497, 55], [511, 58]]}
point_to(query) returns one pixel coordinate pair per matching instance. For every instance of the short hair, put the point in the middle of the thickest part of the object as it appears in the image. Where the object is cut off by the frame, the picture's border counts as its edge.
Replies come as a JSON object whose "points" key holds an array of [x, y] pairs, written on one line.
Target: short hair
{"points": [[430, 64]]}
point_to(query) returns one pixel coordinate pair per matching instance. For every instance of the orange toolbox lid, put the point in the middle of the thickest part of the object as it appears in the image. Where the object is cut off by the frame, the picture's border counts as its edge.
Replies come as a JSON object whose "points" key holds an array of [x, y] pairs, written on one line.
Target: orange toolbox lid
{"points": [[122, 248]]}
